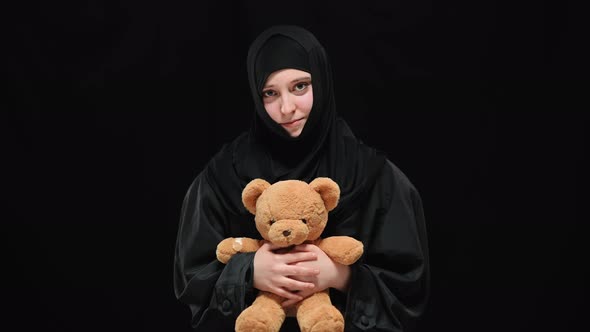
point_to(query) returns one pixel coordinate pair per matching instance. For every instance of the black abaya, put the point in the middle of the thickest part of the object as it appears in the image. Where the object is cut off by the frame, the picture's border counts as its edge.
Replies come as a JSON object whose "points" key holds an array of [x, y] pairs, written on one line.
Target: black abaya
{"points": [[378, 206]]}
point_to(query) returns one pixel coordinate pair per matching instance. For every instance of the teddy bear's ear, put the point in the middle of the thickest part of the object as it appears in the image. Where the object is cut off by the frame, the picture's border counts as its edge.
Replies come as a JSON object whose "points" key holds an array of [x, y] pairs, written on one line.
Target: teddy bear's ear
{"points": [[328, 189], [251, 193]]}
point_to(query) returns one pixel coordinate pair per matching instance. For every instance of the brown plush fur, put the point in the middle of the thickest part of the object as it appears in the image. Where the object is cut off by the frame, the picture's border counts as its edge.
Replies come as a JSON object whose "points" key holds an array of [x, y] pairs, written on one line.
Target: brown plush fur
{"points": [[289, 213]]}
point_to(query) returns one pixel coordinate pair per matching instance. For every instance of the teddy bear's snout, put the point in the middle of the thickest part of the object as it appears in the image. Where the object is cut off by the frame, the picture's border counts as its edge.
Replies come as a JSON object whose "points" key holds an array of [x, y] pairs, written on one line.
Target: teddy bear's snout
{"points": [[287, 232]]}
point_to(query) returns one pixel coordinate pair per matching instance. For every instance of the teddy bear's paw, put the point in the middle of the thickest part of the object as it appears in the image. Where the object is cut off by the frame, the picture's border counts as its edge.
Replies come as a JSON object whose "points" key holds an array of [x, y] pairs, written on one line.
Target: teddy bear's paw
{"points": [[328, 326], [225, 250], [252, 325], [325, 319], [258, 321]]}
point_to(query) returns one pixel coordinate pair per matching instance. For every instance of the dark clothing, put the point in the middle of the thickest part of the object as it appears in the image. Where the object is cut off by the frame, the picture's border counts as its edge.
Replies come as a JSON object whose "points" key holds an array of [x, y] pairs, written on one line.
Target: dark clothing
{"points": [[378, 205], [326, 146], [346, 160], [389, 284]]}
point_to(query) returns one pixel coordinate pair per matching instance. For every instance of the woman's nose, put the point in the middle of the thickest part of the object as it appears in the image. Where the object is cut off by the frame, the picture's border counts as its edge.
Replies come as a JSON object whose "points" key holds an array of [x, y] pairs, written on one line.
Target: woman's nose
{"points": [[287, 104]]}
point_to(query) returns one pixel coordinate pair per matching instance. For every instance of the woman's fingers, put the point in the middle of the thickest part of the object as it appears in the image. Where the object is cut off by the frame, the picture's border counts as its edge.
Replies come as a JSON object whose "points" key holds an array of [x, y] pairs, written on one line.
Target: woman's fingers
{"points": [[293, 270], [304, 247], [289, 289], [267, 246], [290, 296], [296, 285], [290, 258], [274, 273], [288, 303], [303, 294]]}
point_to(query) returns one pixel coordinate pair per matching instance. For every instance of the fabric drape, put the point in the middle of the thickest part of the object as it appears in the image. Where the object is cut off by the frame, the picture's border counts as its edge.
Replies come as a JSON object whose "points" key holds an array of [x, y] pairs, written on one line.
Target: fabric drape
{"points": [[378, 206]]}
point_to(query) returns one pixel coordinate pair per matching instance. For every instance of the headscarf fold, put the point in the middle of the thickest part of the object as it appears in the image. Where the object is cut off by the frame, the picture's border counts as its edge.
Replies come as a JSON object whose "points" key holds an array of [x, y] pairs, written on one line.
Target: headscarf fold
{"points": [[326, 146]]}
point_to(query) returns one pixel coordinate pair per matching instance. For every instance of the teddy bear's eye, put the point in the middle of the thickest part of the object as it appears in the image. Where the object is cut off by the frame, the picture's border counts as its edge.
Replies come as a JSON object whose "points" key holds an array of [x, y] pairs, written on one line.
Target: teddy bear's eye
{"points": [[272, 221], [304, 221]]}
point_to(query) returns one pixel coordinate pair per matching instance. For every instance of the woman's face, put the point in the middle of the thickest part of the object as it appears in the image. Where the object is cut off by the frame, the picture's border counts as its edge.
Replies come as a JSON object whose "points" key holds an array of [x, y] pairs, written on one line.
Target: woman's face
{"points": [[288, 98]]}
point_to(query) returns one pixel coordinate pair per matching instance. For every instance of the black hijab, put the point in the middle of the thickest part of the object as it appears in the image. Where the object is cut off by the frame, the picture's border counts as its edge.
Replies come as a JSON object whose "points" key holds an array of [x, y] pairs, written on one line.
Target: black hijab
{"points": [[326, 147]]}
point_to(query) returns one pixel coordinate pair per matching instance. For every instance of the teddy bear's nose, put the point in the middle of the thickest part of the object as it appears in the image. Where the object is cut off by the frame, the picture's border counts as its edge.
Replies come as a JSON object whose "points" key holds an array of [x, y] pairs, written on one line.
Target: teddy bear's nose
{"points": [[286, 233]]}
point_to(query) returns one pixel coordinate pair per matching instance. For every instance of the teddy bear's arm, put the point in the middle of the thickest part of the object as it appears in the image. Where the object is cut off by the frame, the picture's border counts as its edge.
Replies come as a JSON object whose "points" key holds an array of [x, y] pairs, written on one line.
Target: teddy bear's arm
{"points": [[342, 249], [230, 246]]}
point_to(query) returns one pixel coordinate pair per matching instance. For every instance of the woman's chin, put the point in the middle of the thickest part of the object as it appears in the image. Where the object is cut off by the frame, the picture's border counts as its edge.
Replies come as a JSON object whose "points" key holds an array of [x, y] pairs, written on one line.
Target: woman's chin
{"points": [[294, 133]]}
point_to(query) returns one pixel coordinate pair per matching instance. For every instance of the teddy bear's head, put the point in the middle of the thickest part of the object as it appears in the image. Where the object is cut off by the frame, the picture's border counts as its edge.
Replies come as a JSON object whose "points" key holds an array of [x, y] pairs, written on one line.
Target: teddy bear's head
{"points": [[290, 212]]}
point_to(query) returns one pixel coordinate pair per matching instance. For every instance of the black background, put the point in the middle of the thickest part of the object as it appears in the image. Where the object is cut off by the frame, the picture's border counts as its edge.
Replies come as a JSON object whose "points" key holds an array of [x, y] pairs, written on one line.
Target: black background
{"points": [[119, 105]]}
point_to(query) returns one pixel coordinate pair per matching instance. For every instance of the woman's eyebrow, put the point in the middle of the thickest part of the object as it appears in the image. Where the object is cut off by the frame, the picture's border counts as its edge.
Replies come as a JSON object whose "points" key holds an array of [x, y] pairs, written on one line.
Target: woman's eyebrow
{"points": [[304, 78], [301, 79]]}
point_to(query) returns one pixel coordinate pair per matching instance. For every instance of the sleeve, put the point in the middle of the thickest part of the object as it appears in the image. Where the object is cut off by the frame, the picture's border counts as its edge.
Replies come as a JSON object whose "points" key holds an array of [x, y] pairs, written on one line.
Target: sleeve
{"points": [[389, 285], [216, 293]]}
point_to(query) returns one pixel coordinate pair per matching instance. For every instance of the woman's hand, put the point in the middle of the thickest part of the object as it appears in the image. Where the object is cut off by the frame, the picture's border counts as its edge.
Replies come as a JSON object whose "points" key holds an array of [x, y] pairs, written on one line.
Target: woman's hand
{"points": [[331, 274], [278, 273]]}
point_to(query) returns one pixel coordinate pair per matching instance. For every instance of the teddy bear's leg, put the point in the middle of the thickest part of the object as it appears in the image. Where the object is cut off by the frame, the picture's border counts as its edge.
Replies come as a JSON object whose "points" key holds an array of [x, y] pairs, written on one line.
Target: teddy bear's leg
{"points": [[264, 315], [317, 314]]}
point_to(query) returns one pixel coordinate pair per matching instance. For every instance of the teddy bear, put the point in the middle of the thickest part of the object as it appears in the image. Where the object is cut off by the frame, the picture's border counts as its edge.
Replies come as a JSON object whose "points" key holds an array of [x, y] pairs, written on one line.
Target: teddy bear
{"points": [[289, 213]]}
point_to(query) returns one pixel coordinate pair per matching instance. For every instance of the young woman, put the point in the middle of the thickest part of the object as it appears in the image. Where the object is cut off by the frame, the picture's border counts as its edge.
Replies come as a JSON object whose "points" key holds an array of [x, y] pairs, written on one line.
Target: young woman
{"points": [[296, 134]]}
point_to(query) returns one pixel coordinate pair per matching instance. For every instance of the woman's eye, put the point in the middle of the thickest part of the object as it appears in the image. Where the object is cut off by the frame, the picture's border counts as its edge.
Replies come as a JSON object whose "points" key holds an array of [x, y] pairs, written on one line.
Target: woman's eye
{"points": [[268, 93], [301, 86]]}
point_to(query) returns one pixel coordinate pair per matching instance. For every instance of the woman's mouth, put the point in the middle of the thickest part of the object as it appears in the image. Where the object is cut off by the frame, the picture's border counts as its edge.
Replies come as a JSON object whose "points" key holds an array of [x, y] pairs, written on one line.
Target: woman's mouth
{"points": [[292, 123]]}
